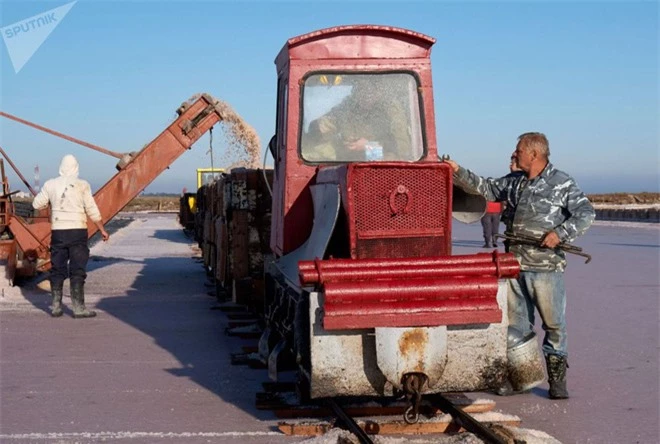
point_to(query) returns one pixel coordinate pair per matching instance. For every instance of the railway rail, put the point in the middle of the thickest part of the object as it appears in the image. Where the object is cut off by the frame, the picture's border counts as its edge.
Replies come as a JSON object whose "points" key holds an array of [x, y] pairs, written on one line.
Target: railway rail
{"points": [[364, 417]]}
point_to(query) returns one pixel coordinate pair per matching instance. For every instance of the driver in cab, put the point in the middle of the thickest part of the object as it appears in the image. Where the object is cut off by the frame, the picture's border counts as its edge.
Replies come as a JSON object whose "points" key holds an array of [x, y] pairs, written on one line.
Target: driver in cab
{"points": [[363, 127]]}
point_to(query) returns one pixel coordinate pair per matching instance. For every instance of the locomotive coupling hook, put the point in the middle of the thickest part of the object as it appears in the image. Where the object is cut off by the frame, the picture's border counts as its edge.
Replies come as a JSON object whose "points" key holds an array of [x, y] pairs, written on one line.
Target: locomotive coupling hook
{"points": [[413, 383]]}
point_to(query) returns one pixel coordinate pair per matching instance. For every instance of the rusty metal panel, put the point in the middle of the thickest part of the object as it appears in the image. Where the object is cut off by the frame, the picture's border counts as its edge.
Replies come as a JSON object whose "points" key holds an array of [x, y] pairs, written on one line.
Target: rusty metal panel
{"points": [[241, 205], [207, 238], [5, 212], [6, 248], [154, 158], [8, 258], [219, 196], [219, 271], [411, 350], [238, 239], [33, 240], [239, 189]]}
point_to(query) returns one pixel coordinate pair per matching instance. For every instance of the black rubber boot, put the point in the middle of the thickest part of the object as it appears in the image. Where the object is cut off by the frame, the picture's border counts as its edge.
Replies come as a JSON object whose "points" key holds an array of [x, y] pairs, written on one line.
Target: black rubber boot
{"points": [[78, 300], [557, 376], [56, 306]]}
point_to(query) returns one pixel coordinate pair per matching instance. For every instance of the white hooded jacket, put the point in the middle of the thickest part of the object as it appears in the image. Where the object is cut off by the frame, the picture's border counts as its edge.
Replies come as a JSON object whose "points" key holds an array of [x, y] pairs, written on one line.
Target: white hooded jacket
{"points": [[70, 198]]}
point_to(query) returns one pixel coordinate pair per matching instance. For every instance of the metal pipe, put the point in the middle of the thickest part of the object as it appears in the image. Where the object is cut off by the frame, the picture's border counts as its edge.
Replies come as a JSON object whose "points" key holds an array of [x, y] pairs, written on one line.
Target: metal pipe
{"points": [[351, 293], [323, 271], [504, 269], [63, 136], [408, 307], [406, 262], [482, 310], [18, 173]]}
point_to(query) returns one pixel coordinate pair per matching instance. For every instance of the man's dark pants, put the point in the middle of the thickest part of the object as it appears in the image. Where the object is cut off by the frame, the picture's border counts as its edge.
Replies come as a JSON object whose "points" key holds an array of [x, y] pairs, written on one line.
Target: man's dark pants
{"points": [[491, 226], [69, 254]]}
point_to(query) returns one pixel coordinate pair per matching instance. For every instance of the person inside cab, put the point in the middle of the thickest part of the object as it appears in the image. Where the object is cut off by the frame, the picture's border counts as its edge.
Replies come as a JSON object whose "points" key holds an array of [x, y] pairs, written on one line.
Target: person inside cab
{"points": [[368, 118]]}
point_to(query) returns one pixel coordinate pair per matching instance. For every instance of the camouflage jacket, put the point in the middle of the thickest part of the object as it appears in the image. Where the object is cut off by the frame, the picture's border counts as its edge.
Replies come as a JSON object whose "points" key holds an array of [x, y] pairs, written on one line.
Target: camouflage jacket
{"points": [[509, 210], [550, 201]]}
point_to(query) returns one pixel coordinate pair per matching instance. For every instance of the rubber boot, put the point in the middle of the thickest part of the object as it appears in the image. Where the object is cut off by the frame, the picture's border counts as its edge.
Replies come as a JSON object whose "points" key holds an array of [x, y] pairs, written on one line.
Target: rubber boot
{"points": [[557, 376], [56, 306], [78, 300]]}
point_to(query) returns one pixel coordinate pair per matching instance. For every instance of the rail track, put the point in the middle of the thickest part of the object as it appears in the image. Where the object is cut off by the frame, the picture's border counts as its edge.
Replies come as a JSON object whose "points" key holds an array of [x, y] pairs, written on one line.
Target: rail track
{"points": [[364, 417]]}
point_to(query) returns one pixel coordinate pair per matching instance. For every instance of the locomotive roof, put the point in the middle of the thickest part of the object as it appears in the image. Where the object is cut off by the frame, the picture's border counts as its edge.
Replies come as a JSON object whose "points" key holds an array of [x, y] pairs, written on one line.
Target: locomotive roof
{"points": [[356, 42]]}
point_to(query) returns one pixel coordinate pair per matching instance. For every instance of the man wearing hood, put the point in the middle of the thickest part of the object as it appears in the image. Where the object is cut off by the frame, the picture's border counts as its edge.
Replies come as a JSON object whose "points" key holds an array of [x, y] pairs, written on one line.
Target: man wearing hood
{"points": [[71, 203]]}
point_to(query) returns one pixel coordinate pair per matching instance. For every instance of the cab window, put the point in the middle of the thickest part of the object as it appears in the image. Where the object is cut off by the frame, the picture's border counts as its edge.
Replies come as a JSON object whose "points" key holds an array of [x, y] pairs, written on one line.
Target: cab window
{"points": [[361, 117]]}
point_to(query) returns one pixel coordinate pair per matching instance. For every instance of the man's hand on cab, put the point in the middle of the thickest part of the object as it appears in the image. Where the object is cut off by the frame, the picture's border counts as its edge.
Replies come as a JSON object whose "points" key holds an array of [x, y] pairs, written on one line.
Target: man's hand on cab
{"points": [[454, 165]]}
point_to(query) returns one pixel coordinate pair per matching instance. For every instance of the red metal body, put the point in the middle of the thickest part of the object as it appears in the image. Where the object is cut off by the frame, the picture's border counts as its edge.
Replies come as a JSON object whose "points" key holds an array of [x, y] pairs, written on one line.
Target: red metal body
{"points": [[354, 48], [193, 121], [398, 209], [410, 303], [409, 292], [394, 222]]}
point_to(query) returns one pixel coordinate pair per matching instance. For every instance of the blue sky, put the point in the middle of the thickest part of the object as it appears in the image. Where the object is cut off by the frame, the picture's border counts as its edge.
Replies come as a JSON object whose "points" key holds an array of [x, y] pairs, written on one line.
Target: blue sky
{"points": [[113, 73]]}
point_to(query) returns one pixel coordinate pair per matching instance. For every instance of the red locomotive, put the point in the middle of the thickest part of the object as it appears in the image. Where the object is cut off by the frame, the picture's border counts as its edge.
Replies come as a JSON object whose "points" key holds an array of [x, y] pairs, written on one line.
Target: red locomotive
{"points": [[363, 294]]}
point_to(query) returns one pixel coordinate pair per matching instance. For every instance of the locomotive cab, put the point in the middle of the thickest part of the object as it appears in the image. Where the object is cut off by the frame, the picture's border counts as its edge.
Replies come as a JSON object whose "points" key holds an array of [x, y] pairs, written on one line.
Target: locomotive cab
{"points": [[363, 295]]}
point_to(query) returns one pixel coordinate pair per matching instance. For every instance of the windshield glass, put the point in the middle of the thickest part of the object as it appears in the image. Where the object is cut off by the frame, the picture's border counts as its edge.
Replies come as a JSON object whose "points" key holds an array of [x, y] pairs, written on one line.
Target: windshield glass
{"points": [[361, 117]]}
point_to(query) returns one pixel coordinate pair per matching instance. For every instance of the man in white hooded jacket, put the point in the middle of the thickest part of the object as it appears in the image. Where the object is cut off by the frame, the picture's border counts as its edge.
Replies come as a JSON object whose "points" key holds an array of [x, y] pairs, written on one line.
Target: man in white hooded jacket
{"points": [[71, 202]]}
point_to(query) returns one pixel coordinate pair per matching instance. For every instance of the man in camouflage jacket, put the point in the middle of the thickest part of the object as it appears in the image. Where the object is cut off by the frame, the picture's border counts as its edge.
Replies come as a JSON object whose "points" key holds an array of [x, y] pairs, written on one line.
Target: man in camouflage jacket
{"points": [[548, 204]]}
